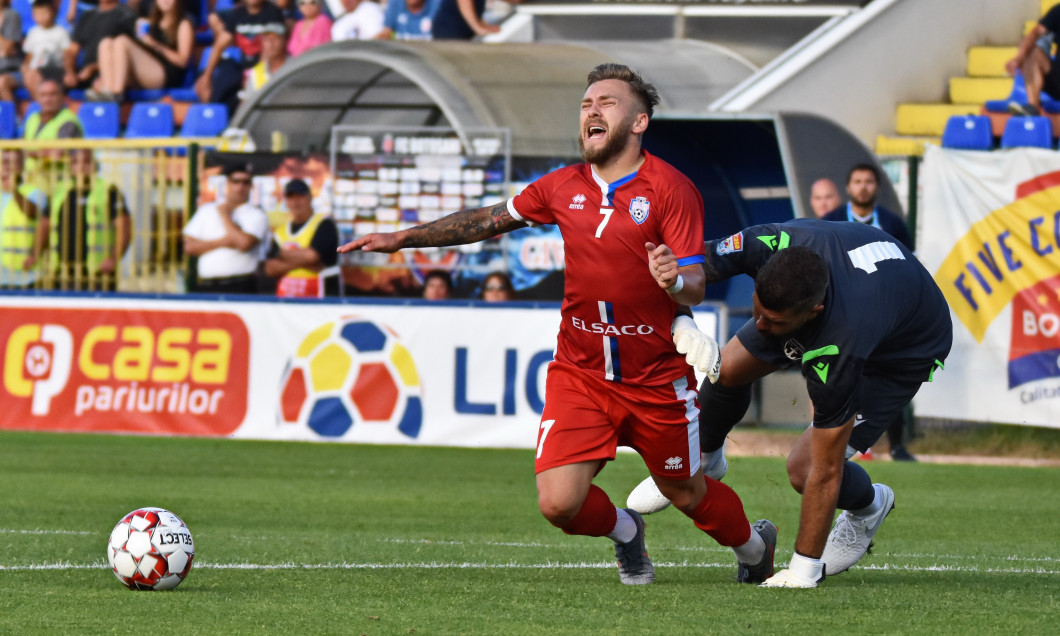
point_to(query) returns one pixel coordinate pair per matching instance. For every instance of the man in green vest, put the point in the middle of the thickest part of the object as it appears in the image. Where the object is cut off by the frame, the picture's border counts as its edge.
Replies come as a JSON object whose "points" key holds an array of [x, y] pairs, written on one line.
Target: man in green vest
{"points": [[21, 205], [89, 228], [53, 121]]}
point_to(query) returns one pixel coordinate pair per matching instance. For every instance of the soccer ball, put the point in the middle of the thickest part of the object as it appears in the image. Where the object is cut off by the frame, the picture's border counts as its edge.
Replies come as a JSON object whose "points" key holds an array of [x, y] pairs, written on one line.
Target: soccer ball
{"points": [[350, 372], [150, 549]]}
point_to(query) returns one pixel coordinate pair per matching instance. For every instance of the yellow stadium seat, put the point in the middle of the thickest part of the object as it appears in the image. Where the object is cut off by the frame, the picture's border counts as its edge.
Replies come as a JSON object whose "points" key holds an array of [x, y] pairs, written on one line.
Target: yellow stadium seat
{"points": [[904, 146], [989, 61], [1048, 4], [929, 119], [978, 90]]}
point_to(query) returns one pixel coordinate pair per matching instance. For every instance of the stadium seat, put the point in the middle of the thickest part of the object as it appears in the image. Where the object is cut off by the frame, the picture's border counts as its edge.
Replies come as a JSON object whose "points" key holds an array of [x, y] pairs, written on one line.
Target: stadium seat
{"points": [[1019, 95], [7, 120], [205, 120], [149, 120], [187, 92], [1036, 132], [968, 132], [100, 120]]}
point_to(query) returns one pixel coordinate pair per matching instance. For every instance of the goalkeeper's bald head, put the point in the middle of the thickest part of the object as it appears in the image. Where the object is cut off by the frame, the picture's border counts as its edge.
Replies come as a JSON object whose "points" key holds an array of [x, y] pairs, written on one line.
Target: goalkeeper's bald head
{"points": [[794, 279]]}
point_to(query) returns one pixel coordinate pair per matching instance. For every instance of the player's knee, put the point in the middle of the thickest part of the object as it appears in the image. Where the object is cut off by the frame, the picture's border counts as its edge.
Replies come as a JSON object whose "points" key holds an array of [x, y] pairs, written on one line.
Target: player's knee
{"points": [[684, 495], [557, 511]]}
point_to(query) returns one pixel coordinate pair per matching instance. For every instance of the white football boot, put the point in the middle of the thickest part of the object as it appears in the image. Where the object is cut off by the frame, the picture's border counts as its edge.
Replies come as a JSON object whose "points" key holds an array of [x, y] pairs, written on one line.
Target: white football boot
{"points": [[851, 536], [646, 497]]}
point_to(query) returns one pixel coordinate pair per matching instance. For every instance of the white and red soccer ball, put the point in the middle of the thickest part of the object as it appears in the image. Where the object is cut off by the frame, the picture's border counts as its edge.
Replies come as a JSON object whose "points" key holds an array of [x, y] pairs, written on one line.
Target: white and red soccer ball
{"points": [[150, 549]]}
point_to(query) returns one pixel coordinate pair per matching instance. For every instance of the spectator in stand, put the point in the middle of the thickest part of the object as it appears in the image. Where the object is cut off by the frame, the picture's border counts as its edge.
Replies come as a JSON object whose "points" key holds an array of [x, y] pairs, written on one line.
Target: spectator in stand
{"points": [[273, 56], [408, 20], [110, 20], [43, 47], [462, 20], [862, 184], [302, 247], [437, 285], [222, 78], [10, 51], [497, 288], [824, 197], [312, 30], [1034, 59], [21, 205], [159, 58], [229, 238], [89, 227], [363, 20]]}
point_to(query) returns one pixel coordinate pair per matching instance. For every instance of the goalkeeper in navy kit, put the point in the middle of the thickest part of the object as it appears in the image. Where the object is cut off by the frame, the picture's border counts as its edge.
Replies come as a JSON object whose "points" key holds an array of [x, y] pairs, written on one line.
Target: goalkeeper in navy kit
{"points": [[866, 324]]}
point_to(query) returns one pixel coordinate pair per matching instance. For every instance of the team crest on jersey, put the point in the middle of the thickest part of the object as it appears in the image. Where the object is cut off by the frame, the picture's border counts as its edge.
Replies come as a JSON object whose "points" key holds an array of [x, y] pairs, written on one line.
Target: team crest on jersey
{"points": [[794, 350], [730, 245], [638, 209]]}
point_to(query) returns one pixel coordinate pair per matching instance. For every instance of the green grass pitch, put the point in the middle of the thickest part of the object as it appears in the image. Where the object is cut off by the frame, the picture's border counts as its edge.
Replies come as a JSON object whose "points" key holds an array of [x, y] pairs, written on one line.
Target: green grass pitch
{"points": [[343, 539]]}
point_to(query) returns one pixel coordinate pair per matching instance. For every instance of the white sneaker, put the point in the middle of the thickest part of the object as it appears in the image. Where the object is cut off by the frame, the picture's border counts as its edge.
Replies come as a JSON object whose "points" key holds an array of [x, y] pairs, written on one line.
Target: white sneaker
{"points": [[851, 536], [714, 463], [646, 498]]}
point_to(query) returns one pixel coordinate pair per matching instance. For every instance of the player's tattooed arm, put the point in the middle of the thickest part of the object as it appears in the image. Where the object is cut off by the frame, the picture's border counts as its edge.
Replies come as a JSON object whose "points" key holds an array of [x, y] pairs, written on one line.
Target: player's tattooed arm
{"points": [[459, 228], [712, 274], [466, 226]]}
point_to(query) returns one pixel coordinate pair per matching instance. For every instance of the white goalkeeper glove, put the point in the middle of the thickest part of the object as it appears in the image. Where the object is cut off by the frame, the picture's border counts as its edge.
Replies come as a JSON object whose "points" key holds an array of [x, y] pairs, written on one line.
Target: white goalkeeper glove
{"points": [[701, 351], [802, 572]]}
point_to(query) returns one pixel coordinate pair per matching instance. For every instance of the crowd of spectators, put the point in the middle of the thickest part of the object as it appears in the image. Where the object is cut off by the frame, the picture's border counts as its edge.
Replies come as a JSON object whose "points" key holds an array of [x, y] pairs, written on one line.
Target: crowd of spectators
{"points": [[120, 45]]}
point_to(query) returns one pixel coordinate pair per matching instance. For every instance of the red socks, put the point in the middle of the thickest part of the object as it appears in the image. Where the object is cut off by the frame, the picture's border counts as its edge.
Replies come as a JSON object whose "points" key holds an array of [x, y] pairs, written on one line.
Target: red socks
{"points": [[597, 516], [721, 515]]}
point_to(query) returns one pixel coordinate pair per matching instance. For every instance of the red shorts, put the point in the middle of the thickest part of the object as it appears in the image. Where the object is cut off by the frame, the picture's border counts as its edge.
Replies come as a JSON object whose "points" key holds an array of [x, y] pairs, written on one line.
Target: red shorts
{"points": [[587, 418]]}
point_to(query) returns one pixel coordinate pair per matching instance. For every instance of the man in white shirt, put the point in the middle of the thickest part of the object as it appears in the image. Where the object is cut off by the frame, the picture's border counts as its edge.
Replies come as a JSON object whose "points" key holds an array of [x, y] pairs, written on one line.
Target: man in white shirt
{"points": [[228, 238], [362, 21]]}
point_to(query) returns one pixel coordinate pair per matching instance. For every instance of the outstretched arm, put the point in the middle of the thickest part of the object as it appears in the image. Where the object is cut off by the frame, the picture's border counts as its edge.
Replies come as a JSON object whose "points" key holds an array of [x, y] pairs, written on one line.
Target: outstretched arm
{"points": [[459, 228]]}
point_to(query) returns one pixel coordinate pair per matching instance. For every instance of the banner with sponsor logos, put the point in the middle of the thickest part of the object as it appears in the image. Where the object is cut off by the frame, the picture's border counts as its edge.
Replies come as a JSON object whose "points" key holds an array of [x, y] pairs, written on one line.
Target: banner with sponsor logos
{"points": [[990, 233], [450, 374]]}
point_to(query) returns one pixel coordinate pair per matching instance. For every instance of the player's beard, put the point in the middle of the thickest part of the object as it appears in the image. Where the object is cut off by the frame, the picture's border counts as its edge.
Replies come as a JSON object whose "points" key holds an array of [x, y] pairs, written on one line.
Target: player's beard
{"points": [[866, 201], [616, 139]]}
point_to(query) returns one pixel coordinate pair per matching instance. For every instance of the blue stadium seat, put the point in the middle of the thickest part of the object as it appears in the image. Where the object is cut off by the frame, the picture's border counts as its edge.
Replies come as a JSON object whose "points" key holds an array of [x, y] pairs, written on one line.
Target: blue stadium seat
{"points": [[25, 11], [187, 93], [1036, 132], [1019, 95], [7, 120], [100, 120], [150, 120], [205, 120], [968, 132]]}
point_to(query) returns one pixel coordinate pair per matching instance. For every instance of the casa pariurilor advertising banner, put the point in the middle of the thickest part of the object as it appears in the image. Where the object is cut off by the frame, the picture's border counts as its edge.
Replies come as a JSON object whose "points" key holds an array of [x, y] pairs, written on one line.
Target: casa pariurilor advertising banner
{"points": [[389, 372], [989, 231]]}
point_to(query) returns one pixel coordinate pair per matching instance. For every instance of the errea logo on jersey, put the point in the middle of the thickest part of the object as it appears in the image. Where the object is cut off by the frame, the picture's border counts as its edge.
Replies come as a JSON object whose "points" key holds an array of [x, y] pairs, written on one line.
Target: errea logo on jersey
{"points": [[675, 463], [578, 202]]}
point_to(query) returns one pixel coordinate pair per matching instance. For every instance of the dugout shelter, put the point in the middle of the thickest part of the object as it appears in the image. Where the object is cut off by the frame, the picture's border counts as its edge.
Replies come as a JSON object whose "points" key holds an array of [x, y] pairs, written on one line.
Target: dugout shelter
{"points": [[750, 167]]}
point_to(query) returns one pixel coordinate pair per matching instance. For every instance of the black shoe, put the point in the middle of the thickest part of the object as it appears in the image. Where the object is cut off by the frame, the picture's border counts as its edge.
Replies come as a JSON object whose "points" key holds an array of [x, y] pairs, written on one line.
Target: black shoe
{"points": [[634, 565], [759, 572], [900, 454], [1023, 110]]}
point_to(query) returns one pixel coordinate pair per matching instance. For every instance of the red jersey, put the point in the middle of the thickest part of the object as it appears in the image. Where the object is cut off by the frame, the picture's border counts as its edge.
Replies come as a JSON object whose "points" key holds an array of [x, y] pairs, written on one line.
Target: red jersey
{"points": [[616, 318]]}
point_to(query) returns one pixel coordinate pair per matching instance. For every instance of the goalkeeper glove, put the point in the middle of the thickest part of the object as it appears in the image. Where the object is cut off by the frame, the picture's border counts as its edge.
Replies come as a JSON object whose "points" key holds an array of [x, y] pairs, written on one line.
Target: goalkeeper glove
{"points": [[701, 351], [802, 572]]}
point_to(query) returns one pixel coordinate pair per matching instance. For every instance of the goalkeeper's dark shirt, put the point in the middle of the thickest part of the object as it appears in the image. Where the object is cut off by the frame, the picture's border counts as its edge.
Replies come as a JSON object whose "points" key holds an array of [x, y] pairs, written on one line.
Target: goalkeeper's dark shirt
{"points": [[883, 313]]}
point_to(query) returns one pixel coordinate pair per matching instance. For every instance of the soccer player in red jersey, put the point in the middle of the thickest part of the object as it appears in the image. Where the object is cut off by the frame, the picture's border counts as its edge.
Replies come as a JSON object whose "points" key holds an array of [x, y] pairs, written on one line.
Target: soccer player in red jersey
{"points": [[617, 378]]}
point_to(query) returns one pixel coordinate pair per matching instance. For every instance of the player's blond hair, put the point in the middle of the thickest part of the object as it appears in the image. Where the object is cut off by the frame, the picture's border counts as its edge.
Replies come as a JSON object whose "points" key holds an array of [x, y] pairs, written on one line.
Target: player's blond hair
{"points": [[646, 93]]}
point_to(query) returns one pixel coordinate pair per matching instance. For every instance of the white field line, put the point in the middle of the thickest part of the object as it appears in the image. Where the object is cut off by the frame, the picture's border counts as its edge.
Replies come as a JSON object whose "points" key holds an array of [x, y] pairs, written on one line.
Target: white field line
{"points": [[41, 531], [548, 565]]}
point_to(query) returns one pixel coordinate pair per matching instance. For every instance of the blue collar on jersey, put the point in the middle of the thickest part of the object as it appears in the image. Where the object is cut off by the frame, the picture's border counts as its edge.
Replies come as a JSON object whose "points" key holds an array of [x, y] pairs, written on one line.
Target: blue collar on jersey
{"points": [[612, 187], [875, 222]]}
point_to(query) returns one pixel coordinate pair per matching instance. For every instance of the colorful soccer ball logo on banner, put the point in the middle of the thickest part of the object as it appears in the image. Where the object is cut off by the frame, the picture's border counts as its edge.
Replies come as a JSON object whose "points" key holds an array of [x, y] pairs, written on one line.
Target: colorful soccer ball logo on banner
{"points": [[151, 549], [348, 372]]}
